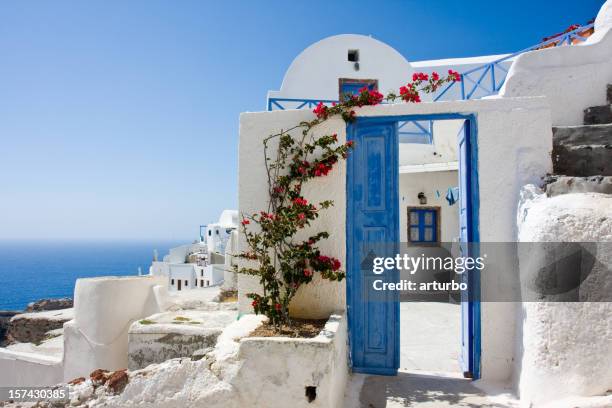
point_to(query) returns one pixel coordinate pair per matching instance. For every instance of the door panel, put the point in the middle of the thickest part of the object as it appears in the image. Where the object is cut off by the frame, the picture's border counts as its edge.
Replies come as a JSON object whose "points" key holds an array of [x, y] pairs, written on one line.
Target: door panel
{"points": [[372, 231], [467, 227]]}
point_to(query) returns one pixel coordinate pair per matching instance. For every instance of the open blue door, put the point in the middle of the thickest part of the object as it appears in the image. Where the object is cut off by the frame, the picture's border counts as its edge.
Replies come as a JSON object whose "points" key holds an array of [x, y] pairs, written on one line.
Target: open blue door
{"points": [[372, 230], [468, 226]]}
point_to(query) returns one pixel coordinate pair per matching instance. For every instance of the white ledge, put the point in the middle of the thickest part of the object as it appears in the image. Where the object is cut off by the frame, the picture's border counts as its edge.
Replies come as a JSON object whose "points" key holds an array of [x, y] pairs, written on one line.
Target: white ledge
{"points": [[429, 167]]}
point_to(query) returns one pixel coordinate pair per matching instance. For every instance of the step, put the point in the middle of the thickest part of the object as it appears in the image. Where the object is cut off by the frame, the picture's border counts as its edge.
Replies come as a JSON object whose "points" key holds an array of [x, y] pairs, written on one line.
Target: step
{"points": [[582, 150], [555, 185], [598, 115]]}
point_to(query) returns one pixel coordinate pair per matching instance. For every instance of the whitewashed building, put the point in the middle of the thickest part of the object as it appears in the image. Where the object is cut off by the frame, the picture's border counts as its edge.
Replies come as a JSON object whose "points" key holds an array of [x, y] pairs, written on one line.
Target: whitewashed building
{"points": [[201, 264], [452, 171]]}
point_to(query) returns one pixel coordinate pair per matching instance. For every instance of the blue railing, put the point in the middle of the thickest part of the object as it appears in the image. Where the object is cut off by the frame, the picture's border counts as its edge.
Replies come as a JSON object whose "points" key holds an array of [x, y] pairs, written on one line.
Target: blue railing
{"points": [[301, 103], [490, 77], [487, 78], [484, 80]]}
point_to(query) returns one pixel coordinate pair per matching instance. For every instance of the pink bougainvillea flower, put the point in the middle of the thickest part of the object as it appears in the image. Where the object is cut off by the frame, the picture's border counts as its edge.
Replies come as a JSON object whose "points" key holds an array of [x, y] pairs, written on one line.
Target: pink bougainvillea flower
{"points": [[307, 272], [409, 93], [320, 111], [245, 222], [435, 76], [419, 76], [277, 306], [301, 216], [454, 75], [300, 201]]}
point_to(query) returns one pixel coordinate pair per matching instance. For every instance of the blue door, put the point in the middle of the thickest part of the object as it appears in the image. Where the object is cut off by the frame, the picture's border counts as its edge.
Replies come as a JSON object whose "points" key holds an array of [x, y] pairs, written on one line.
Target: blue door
{"points": [[468, 236], [372, 231]]}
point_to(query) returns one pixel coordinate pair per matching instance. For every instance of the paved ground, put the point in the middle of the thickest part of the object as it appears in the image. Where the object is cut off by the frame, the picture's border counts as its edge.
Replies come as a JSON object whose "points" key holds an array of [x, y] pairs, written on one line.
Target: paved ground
{"points": [[423, 390], [430, 336], [429, 376]]}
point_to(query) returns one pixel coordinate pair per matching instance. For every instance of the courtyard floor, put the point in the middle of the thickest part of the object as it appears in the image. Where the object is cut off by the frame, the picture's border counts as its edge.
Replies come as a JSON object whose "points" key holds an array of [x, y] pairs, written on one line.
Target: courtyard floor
{"points": [[429, 374]]}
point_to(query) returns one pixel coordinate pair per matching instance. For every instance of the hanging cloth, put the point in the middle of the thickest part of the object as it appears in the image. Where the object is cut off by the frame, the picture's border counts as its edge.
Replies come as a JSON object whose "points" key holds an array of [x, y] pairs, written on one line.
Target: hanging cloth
{"points": [[452, 195]]}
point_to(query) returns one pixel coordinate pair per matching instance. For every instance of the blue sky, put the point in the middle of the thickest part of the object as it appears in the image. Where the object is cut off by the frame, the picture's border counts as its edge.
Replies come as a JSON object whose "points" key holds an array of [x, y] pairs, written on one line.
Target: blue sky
{"points": [[119, 119]]}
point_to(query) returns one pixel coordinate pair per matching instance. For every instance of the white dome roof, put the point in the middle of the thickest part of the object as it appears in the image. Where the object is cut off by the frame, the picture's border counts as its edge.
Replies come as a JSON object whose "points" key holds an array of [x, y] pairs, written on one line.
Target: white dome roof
{"points": [[314, 73]]}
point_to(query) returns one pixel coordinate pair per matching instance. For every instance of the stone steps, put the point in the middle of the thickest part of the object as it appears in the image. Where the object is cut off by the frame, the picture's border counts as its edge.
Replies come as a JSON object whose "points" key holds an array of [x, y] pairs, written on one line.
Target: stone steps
{"points": [[600, 115], [582, 151], [558, 185]]}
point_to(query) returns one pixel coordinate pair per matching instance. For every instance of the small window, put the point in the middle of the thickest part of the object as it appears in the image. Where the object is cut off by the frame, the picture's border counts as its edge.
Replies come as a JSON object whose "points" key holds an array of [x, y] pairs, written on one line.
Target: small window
{"points": [[353, 55], [209, 233], [202, 283], [186, 283], [202, 272], [217, 231], [172, 282], [207, 283], [424, 225]]}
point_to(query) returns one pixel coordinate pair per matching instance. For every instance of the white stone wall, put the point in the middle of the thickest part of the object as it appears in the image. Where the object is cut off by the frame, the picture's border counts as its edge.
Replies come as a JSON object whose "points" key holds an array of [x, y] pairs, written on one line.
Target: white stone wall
{"points": [[573, 78], [29, 370], [567, 347], [104, 309], [442, 150], [320, 298], [514, 144], [319, 362]]}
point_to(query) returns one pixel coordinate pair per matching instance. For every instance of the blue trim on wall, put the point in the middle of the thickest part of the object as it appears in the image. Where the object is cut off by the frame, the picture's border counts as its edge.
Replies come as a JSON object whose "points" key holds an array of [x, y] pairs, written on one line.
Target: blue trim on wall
{"points": [[474, 305]]}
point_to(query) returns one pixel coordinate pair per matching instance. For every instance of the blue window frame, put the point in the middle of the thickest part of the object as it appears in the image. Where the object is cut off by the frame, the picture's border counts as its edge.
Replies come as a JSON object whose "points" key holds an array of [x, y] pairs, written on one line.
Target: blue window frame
{"points": [[349, 86], [423, 225]]}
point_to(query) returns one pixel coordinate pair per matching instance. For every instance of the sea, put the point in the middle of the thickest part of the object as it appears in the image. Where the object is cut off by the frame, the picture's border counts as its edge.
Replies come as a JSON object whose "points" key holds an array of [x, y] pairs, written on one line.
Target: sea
{"points": [[31, 270]]}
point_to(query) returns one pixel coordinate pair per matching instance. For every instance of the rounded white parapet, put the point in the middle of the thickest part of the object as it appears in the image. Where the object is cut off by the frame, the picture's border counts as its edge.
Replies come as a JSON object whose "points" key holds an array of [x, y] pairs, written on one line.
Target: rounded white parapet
{"points": [[104, 309], [105, 306]]}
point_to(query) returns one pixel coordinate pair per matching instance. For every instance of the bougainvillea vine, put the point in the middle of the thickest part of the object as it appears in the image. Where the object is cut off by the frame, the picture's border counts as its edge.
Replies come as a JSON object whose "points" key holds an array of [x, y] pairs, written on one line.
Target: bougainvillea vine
{"points": [[283, 263]]}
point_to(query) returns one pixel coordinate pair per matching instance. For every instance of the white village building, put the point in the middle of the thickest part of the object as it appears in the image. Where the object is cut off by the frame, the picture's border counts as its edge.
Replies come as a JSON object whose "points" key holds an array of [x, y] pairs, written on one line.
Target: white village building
{"points": [[201, 264]]}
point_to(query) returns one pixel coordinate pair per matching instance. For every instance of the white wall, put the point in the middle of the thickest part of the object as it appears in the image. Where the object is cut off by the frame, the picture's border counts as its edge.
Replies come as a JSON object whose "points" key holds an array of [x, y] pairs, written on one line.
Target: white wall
{"points": [[572, 77], [29, 370], [178, 254], [320, 362], [182, 272], [104, 308], [443, 149], [411, 184], [230, 280], [514, 143], [320, 298], [314, 73], [567, 346]]}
